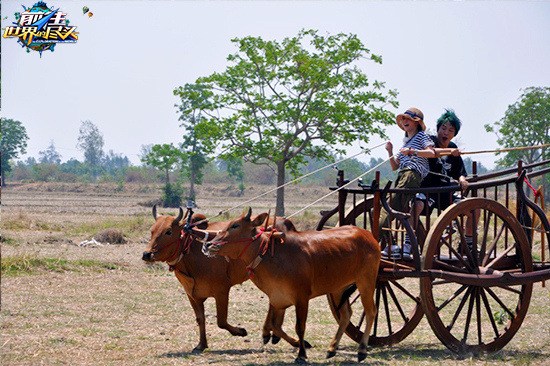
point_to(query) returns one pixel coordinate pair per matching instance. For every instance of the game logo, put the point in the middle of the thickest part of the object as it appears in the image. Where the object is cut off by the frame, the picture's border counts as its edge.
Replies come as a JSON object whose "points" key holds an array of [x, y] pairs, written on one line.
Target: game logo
{"points": [[40, 28]]}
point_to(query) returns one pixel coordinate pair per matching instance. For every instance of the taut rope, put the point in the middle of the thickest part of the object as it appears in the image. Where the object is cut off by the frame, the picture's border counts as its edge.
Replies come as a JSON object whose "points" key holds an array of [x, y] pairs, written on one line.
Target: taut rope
{"points": [[339, 188], [366, 151]]}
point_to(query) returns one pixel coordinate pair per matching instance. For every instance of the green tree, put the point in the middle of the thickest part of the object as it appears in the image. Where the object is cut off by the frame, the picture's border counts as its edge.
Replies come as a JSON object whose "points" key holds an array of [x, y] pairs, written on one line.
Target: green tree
{"points": [[13, 142], [115, 164], [50, 155], [195, 149], [235, 169], [166, 157], [305, 96], [90, 141], [525, 123]]}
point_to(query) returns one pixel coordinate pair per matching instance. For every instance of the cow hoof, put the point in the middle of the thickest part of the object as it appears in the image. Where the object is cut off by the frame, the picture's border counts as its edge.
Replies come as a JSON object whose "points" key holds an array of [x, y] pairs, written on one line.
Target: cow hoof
{"points": [[331, 354], [241, 332], [266, 338], [300, 361], [198, 349], [361, 357], [307, 344], [275, 339]]}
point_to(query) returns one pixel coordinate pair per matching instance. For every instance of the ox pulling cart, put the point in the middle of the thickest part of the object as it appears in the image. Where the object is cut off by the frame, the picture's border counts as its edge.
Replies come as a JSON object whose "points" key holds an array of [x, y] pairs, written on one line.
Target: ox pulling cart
{"points": [[475, 297]]}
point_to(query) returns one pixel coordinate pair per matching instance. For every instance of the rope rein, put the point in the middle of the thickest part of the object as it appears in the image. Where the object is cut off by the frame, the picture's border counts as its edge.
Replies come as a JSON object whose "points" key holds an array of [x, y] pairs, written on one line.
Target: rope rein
{"points": [[341, 187], [365, 151]]}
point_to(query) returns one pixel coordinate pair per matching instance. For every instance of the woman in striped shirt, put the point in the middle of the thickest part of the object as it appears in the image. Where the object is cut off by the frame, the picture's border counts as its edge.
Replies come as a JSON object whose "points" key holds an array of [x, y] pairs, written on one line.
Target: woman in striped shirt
{"points": [[413, 167]]}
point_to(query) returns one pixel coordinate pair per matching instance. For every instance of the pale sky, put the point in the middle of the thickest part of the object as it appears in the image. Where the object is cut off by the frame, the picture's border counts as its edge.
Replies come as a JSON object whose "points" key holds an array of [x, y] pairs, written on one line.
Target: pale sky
{"points": [[472, 56]]}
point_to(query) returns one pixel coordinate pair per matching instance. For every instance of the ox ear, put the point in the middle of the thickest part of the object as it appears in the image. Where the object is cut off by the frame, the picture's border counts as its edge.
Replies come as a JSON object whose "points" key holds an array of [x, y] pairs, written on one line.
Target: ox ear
{"points": [[260, 219], [279, 235], [200, 217], [155, 211], [247, 217]]}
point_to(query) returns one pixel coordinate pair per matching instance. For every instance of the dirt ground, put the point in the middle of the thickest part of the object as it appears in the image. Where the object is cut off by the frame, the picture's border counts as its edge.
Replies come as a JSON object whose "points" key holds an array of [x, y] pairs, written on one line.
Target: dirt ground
{"points": [[101, 305]]}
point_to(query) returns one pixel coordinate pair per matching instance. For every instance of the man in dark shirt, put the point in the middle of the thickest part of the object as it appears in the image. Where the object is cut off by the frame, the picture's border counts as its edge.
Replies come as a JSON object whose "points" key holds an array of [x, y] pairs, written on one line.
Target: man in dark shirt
{"points": [[445, 170]]}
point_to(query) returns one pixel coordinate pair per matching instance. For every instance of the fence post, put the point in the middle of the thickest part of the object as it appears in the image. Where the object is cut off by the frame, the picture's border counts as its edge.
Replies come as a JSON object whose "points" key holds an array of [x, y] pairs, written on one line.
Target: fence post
{"points": [[341, 198], [376, 208]]}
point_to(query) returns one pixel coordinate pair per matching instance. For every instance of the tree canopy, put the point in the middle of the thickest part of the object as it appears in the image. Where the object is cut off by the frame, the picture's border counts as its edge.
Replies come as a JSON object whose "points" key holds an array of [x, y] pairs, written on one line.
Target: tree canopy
{"points": [[13, 141], [50, 155], [90, 141], [305, 96], [164, 157], [525, 123]]}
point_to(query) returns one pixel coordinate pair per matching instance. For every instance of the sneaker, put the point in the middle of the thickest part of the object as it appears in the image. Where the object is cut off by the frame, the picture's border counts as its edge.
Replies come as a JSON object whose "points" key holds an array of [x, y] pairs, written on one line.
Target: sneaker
{"points": [[395, 252], [407, 252], [386, 252]]}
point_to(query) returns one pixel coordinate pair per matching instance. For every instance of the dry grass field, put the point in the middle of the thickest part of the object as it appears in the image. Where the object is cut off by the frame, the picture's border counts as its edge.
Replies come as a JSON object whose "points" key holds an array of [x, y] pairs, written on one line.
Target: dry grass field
{"points": [[66, 304]]}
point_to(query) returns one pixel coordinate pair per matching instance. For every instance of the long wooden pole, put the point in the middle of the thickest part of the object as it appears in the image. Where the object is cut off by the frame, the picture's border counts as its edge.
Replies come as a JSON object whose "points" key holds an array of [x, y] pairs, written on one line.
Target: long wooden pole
{"points": [[505, 150]]}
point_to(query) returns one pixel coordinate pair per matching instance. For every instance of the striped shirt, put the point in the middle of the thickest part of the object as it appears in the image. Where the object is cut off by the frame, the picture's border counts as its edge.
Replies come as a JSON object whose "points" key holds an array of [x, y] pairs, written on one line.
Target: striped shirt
{"points": [[419, 141]]}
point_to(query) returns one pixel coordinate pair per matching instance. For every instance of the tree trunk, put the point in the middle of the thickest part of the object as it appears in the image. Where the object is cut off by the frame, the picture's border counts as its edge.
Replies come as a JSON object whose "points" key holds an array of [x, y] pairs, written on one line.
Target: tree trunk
{"points": [[280, 207], [2, 172], [192, 183]]}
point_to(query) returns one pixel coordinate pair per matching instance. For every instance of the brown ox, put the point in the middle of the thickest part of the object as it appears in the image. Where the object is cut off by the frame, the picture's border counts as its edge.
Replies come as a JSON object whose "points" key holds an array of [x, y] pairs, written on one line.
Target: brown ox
{"points": [[306, 265], [203, 277]]}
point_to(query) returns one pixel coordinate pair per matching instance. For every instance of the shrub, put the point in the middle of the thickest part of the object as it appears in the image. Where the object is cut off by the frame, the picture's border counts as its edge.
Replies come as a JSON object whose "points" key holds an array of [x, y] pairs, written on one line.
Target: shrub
{"points": [[172, 195], [112, 236]]}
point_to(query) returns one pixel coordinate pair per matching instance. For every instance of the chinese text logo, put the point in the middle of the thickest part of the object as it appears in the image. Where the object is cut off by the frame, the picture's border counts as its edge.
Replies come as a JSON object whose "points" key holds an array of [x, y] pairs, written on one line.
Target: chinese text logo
{"points": [[40, 28]]}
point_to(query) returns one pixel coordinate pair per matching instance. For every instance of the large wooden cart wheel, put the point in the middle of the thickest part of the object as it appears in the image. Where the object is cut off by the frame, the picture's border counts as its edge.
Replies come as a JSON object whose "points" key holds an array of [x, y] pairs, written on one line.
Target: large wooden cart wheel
{"points": [[475, 316], [397, 298]]}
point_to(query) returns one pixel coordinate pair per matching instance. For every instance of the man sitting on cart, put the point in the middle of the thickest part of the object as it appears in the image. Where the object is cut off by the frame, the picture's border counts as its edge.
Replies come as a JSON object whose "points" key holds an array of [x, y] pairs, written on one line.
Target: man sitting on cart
{"points": [[446, 169]]}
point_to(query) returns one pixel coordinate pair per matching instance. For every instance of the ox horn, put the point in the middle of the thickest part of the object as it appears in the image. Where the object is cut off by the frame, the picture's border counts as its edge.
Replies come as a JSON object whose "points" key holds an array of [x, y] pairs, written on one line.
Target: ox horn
{"points": [[155, 211], [180, 216], [247, 217]]}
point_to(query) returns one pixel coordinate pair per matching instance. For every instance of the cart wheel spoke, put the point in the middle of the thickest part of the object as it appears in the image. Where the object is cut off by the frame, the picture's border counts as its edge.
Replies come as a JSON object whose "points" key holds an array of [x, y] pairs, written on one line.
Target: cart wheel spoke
{"points": [[454, 296], [469, 316], [459, 309], [397, 304], [502, 305], [387, 309], [489, 313], [405, 291], [511, 289]]}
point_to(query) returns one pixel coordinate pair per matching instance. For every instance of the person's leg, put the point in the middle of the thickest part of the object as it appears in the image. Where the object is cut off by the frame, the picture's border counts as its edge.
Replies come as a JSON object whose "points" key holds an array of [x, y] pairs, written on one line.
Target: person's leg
{"points": [[411, 180]]}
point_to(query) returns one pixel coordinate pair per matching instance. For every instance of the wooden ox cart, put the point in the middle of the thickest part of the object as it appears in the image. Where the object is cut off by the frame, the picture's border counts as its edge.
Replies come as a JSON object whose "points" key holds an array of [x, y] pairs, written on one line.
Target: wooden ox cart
{"points": [[475, 300]]}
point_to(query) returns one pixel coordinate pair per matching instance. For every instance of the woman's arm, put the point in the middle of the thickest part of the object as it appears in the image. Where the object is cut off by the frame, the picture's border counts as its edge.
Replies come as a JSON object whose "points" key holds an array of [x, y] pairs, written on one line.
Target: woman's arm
{"points": [[426, 153], [394, 161]]}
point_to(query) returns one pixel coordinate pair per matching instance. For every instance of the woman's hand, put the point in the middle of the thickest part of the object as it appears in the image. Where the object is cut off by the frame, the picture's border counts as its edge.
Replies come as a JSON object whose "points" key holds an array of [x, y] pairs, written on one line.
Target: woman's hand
{"points": [[389, 148], [463, 184], [408, 151]]}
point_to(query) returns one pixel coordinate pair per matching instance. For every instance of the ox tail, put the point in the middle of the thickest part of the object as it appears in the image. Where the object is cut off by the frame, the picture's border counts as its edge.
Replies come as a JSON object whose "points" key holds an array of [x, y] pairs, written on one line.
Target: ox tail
{"points": [[346, 295]]}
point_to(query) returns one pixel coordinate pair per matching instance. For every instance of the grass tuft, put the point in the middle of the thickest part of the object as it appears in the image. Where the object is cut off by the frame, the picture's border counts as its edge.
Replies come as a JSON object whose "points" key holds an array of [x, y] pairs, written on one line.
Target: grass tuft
{"points": [[27, 264], [133, 226], [7, 240]]}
